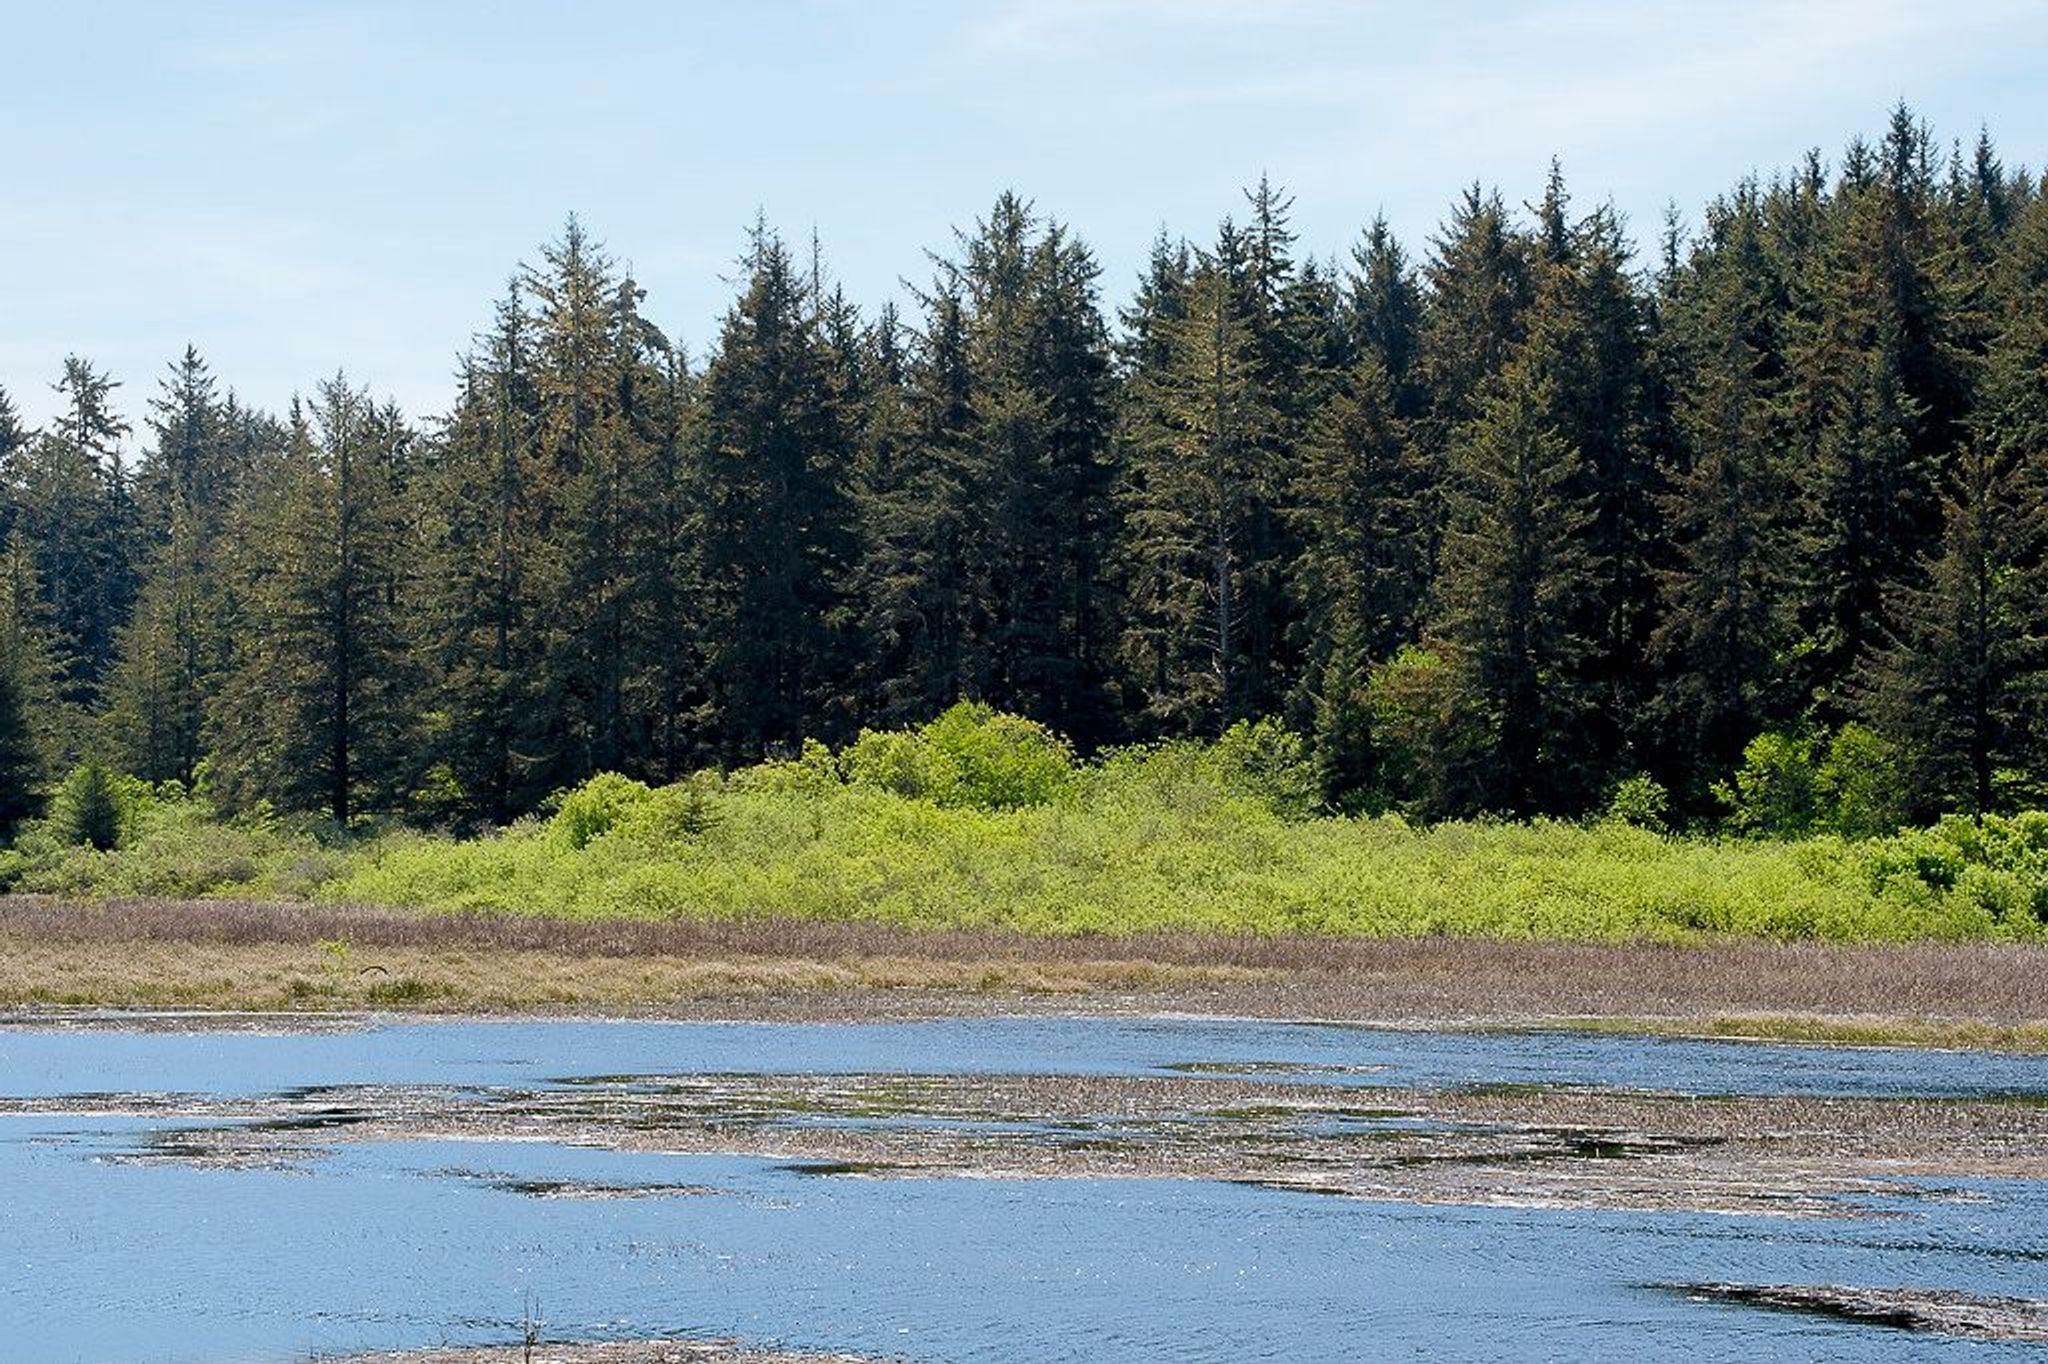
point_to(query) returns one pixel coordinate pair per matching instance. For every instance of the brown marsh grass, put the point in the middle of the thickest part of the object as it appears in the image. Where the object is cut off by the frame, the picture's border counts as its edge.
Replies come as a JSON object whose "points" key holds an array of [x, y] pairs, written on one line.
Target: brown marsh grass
{"points": [[162, 953]]}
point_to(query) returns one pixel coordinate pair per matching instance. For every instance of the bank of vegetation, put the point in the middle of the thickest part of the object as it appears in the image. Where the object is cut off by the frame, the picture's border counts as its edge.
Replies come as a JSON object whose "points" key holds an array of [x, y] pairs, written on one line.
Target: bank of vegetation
{"points": [[980, 820], [1521, 586]]}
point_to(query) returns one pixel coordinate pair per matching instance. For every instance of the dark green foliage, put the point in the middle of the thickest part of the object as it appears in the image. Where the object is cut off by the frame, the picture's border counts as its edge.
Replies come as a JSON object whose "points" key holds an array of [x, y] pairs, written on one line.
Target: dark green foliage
{"points": [[75, 513], [1201, 484], [1520, 530], [319, 710], [1520, 579], [1958, 681], [1725, 627], [1361, 575], [89, 808], [490, 558], [20, 762], [173, 648], [997, 524], [774, 470]]}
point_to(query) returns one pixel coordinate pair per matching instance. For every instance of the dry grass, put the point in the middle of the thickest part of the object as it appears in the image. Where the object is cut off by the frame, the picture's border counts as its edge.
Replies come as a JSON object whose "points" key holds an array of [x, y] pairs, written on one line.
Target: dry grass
{"points": [[273, 976], [212, 954]]}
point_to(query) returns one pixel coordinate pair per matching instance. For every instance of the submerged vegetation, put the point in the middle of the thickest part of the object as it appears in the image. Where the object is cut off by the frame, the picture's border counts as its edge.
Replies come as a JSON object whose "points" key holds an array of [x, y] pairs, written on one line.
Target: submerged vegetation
{"points": [[983, 820]]}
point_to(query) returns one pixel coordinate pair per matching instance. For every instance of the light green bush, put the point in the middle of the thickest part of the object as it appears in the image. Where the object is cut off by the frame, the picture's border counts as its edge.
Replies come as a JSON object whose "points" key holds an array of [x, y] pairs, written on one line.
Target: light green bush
{"points": [[1996, 867], [971, 756], [1166, 837], [592, 810], [1776, 791], [1640, 800], [1859, 784]]}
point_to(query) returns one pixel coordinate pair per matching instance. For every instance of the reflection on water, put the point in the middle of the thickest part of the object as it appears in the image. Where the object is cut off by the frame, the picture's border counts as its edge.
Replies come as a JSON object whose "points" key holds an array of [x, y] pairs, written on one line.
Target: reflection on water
{"points": [[392, 1244]]}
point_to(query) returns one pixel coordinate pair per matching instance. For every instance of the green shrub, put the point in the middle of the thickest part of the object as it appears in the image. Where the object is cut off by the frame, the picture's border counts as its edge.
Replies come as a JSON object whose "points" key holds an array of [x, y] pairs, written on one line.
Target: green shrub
{"points": [[1434, 737], [1860, 783], [1170, 837], [972, 756], [590, 811], [96, 806], [1997, 866], [1641, 801], [813, 770], [1790, 785], [1776, 791], [1268, 762], [903, 763]]}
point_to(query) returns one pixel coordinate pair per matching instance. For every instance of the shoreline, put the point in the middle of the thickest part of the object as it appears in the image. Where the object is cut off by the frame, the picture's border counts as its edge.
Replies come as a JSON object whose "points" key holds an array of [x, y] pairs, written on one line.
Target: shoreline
{"points": [[307, 967]]}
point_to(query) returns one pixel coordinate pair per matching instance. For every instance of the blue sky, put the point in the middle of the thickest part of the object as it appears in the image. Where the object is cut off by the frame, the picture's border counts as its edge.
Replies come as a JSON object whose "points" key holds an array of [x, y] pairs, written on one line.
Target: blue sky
{"points": [[298, 188]]}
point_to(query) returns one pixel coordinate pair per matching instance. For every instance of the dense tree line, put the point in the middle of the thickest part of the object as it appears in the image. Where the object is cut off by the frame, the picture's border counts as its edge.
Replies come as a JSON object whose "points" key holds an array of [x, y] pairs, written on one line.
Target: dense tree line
{"points": [[1496, 527]]}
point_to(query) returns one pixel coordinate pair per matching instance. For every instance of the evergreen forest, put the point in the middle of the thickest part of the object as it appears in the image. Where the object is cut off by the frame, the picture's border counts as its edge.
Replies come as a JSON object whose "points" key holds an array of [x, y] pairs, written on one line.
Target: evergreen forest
{"points": [[1741, 525]]}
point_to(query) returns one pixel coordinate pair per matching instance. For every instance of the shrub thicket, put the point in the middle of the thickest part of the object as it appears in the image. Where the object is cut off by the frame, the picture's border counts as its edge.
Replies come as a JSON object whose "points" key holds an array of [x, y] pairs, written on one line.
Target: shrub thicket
{"points": [[982, 820]]}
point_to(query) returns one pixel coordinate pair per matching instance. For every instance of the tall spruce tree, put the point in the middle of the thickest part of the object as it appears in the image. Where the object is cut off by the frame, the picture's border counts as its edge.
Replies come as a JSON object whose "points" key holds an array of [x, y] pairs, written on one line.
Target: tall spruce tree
{"points": [[1586, 346], [1519, 572], [919, 479], [36, 728], [1725, 628], [75, 510], [173, 645], [495, 742], [775, 466], [600, 380], [1360, 575], [1198, 489], [318, 709], [1960, 681], [1477, 289], [1874, 395], [20, 762]]}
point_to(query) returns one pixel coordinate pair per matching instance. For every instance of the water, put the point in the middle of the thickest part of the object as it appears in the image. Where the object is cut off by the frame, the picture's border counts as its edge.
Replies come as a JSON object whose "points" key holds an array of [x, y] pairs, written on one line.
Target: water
{"points": [[384, 1245]]}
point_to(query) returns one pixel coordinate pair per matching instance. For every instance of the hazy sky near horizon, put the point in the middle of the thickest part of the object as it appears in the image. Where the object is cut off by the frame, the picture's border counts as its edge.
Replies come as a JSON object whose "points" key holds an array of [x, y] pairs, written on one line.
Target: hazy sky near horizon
{"points": [[298, 188]]}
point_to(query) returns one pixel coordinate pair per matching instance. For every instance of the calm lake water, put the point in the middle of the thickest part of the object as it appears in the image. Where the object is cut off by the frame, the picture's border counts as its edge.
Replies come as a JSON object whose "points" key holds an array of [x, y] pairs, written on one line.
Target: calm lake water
{"points": [[385, 1245]]}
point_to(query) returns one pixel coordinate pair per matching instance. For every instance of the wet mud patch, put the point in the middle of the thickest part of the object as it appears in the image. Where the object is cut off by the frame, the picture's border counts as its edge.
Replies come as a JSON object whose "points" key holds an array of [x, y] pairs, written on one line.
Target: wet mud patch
{"points": [[587, 1190], [1271, 1068], [615, 1352], [1520, 1146], [253, 1022], [1931, 1311]]}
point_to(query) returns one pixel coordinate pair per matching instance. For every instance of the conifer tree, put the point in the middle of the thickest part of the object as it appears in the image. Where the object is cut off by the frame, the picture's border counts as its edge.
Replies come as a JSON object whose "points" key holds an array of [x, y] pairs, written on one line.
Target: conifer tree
{"points": [[75, 510], [1477, 291], [775, 469], [664, 627], [1036, 469], [1359, 578], [31, 717], [1199, 484], [1518, 571], [14, 445], [1585, 344], [1959, 676], [318, 707], [494, 741], [31, 654], [173, 645], [21, 766], [1874, 395], [1725, 624], [1384, 314], [919, 479], [1960, 680]]}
